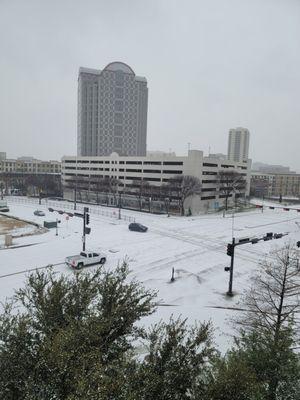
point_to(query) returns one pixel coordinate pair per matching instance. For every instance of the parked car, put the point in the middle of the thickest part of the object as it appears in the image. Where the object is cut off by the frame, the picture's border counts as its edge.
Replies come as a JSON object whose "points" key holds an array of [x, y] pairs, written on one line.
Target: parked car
{"points": [[85, 259], [50, 209], [134, 226], [39, 213], [3, 206], [56, 198]]}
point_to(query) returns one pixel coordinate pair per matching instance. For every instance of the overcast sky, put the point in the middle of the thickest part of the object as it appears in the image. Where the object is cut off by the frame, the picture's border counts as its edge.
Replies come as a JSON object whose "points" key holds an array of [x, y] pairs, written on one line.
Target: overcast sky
{"points": [[211, 65]]}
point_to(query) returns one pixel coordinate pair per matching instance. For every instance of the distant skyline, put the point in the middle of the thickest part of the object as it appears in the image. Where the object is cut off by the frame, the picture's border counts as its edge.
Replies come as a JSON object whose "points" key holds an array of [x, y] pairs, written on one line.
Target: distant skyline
{"points": [[211, 65]]}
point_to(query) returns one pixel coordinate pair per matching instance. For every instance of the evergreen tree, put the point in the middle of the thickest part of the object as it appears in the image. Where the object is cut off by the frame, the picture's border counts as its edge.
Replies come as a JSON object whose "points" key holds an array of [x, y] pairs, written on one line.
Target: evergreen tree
{"points": [[231, 378], [177, 363], [70, 335]]}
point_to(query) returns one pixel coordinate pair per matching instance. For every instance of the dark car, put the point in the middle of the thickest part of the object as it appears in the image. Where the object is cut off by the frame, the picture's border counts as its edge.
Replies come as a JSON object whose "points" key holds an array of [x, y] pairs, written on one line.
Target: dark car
{"points": [[134, 226]]}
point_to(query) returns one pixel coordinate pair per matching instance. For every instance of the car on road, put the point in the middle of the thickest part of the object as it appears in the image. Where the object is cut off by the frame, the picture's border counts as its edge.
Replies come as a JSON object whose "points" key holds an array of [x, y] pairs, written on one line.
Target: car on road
{"points": [[135, 226], [85, 259], [39, 213]]}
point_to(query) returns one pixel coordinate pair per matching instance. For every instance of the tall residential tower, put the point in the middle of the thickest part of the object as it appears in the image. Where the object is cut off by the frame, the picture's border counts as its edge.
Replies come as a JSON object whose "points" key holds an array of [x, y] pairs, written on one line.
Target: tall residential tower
{"points": [[112, 111], [238, 144]]}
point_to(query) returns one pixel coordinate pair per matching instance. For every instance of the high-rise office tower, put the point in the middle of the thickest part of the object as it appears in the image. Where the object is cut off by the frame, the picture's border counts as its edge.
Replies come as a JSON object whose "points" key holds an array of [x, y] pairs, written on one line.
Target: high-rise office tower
{"points": [[112, 111], [238, 144]]}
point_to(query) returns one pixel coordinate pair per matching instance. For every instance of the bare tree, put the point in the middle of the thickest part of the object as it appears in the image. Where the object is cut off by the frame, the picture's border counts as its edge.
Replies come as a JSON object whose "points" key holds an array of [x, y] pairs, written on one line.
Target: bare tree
{"points": [[107, 185], [269, 327], [143, 191], [182, 187], [75, 184], [113, 184], [97, 183], [230, 182]]}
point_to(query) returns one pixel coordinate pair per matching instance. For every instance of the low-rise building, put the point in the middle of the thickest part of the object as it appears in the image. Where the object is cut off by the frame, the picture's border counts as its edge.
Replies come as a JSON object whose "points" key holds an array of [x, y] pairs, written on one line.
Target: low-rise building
{"points": [[275, 184], [30, 165], [29, 176], [157, 171]]}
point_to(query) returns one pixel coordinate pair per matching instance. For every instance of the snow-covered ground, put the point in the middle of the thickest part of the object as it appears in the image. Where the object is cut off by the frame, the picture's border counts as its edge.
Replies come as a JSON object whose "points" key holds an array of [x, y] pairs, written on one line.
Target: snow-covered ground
{"points": [[194, 246]]}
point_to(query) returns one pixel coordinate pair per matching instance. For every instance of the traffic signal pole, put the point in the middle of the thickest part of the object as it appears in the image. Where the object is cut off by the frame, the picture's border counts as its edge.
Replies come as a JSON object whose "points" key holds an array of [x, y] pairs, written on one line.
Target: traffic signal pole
{"points": [[86, 221], [83, 236], [229, 293], [239, 242]]}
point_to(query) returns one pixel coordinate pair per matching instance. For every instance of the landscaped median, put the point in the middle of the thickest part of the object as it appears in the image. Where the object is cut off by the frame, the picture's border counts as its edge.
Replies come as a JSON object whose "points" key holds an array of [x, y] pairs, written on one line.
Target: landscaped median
{"points": [[17, 227]]}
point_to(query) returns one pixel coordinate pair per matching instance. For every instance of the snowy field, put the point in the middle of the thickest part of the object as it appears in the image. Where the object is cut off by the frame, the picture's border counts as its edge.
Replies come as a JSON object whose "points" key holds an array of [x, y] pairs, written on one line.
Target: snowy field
{"points": [[194, 246]]}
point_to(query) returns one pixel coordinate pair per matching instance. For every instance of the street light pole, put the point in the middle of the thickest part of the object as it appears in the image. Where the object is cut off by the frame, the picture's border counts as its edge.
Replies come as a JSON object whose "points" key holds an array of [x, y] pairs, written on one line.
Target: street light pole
{"points": [[168, 206], [75, 194]]}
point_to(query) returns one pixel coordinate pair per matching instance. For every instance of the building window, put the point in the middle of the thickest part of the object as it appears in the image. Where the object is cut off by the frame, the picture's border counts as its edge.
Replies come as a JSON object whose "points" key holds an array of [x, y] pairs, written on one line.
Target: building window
{"points": [[118, 130], [152, 162], [209, 165], [133, 170], [118, 118], [119, 105], [169, 171], [118, 141], [152, 171], [173, 163], [209, 173], [119, 79], [119, 92]]}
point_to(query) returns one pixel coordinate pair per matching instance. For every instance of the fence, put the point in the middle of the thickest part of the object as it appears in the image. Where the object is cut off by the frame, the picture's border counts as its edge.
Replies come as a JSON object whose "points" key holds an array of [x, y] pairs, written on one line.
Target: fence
{"points": [[128, 201], [63, 206]]}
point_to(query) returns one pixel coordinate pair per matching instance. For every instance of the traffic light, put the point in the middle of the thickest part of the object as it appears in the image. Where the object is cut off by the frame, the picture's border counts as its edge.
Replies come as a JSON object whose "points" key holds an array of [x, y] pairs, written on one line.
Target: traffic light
{"points": [[298, 243], [87, 219], [230, 248]]}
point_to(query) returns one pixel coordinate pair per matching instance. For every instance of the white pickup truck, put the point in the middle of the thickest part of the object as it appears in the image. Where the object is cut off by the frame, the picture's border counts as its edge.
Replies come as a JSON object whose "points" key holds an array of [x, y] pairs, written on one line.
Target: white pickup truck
{"points": [[84, 259]]}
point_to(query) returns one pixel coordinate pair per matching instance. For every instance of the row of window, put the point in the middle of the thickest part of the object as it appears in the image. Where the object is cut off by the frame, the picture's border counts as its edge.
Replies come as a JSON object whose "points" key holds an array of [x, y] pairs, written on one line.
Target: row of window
{"points": [[178, 163]]}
